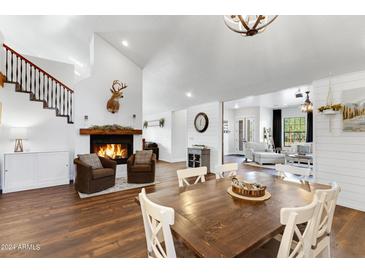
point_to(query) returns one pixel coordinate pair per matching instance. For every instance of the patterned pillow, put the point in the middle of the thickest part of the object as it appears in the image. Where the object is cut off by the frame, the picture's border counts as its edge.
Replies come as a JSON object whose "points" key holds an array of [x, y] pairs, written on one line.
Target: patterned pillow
{"points": [[91, 160], [143, 157]]}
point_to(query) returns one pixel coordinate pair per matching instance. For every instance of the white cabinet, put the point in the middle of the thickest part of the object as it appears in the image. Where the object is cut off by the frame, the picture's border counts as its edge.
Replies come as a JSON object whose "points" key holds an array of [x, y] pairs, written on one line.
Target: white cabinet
{"points": [[35, 170]]}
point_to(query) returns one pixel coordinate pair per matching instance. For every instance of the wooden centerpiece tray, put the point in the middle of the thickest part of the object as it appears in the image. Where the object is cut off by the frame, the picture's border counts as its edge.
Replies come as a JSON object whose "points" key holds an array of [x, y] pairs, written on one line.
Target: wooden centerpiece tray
{"points": [[248, 191]]}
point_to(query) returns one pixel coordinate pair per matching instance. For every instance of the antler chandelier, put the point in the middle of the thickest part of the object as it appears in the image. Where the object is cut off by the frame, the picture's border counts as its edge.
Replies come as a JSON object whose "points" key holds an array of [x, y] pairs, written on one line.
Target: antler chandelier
{"points": [[248, 25]]}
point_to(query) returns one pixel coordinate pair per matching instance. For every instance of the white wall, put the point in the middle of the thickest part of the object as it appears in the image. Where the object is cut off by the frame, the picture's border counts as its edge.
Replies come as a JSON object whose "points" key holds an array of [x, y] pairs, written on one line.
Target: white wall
{"points": [[212, 137], [93, 93], [63, 72], [253, 112], [339, 155], [2, 53], [160, 135], [172, 138], [266, 117], [229, 147], [46, 132], [179, 135], [287, 113]]}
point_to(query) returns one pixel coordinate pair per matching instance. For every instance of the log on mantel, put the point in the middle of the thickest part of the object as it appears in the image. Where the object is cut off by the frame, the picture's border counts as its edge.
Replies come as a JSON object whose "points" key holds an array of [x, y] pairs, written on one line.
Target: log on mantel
{"points": [[89, 131]]}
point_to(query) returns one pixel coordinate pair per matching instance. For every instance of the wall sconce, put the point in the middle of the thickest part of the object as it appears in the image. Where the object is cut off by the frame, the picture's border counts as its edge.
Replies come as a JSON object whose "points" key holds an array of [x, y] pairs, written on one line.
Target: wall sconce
{"points": [[18, 134]]}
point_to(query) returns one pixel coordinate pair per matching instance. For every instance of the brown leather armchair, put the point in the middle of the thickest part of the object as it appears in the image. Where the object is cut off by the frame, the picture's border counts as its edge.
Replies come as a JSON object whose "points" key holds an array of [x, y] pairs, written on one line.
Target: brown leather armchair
{"points": [[90, 180], [140, 174]]}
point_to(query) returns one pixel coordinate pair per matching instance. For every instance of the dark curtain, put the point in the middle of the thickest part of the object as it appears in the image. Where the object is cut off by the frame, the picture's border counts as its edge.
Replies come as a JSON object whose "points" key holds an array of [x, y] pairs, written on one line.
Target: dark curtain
{"points": [[309, 138], [276, 127]]}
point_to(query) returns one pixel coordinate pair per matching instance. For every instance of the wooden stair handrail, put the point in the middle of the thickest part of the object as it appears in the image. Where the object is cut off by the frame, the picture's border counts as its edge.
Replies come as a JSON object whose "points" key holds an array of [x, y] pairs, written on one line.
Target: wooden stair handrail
{"points": [[34, 65]]}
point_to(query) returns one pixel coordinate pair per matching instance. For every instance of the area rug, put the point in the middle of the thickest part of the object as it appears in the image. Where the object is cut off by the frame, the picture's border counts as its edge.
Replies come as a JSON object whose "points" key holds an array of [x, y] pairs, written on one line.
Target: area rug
{"points": [[258, 165], [120, 185]]}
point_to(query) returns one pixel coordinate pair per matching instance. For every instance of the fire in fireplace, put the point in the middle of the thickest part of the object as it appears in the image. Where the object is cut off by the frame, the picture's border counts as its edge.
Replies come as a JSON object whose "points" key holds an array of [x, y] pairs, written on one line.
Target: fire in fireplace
{"points": [[112, 151], [115, 147]]}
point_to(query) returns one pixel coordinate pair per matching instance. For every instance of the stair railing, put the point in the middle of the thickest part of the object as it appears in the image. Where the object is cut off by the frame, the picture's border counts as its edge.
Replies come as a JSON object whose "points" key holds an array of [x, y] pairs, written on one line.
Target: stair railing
{"points": [[42, 87]]}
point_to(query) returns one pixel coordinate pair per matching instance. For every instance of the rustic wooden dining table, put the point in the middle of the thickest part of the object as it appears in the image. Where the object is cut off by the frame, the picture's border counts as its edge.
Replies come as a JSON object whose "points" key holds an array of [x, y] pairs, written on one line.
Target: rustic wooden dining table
{"points": [[212, 223]]}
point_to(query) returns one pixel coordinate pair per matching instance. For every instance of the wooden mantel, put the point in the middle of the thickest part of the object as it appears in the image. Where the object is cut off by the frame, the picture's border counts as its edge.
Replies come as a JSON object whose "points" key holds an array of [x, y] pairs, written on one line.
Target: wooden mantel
{"points": [[88, 131]]}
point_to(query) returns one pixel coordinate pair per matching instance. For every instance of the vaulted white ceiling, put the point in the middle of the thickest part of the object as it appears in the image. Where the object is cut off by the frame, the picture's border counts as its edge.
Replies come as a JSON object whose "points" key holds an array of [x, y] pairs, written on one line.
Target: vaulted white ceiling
{"points": [[198, 54]]}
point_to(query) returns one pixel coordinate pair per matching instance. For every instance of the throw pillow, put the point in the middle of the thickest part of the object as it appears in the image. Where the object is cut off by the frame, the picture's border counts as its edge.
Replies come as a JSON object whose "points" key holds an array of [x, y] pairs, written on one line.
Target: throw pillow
{"points": [[91, 160], [143, 157]]}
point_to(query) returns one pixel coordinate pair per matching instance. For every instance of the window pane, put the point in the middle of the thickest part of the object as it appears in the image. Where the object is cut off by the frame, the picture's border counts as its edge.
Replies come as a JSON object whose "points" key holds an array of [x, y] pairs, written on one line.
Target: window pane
{"points": [[294, 130]]}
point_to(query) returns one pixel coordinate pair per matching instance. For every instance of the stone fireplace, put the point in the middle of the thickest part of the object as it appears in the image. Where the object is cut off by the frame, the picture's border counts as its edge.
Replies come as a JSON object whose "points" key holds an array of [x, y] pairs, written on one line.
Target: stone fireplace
{"points": [[115, 147]]}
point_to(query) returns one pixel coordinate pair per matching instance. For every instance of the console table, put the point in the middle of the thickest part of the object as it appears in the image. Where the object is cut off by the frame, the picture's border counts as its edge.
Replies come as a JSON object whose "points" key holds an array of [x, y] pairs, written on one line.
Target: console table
{"points": [[198, 157], [29, 170]]}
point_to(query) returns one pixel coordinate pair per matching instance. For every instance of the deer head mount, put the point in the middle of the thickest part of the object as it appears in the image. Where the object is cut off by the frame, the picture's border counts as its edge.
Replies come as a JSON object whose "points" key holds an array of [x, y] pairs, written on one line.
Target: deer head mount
{"points": [[117, 92]]}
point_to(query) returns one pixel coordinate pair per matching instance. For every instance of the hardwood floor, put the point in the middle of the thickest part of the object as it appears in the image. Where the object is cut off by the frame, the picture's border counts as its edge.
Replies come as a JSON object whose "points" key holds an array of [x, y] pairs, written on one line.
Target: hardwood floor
{"points": [[55, 222]]}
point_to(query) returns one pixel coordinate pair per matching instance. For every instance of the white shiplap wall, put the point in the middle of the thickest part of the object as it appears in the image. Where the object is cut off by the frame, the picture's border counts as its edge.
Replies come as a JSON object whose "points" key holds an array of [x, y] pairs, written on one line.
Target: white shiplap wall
{"points": [[212, 137], [339, 155], [160, 135]]}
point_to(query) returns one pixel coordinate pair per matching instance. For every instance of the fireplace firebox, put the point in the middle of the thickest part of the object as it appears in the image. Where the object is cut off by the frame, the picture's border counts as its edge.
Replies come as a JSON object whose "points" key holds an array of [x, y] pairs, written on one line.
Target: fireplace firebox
{"points": [[115, 147]]}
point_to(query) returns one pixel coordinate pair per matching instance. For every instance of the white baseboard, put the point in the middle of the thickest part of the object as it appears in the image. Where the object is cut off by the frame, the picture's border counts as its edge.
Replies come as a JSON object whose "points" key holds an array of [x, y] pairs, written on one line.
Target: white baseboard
{"points": [[351, 204], [178, 160]]}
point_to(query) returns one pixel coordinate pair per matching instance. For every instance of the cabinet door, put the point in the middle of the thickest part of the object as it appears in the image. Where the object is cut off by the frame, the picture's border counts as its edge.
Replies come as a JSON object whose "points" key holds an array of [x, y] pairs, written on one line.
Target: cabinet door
{"points": [[53, 168], [20, 172]]}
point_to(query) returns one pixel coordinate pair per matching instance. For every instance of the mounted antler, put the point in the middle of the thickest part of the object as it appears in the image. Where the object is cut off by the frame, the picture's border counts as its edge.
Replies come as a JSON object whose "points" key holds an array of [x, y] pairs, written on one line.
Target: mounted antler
{"points": [[117, 87], [113, 103]]}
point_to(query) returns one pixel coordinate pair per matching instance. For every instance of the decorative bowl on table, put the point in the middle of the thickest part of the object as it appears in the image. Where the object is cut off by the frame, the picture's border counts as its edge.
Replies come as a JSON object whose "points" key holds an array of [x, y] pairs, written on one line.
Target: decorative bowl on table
{"points": [[247, 189]]}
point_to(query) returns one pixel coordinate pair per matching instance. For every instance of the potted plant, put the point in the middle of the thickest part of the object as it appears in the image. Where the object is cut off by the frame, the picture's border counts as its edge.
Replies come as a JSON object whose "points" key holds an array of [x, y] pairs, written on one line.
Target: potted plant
{"points": [[162, 122], [330, 109]]}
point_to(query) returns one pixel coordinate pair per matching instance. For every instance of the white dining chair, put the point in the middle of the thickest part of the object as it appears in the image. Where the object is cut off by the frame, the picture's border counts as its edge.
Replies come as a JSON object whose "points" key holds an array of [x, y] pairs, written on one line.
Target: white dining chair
{"points": [[303, 172], [322, 227], [183, 174], [157, 220], [230, 168], [294, 243]]}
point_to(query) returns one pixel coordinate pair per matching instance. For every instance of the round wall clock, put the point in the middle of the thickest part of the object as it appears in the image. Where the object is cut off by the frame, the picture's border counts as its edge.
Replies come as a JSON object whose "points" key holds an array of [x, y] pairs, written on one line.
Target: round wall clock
{"points": [[201, 122]]}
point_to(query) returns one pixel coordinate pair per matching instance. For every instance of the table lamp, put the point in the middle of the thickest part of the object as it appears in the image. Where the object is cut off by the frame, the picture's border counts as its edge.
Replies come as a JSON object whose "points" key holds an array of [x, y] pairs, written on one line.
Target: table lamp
{"points": [[18, 134]]}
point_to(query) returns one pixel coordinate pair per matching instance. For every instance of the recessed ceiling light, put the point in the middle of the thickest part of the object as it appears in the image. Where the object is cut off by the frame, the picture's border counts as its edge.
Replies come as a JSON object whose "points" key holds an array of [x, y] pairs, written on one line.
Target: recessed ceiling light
{"points": [[125, 43], [77, 73], [235, 106], [189, 94]]}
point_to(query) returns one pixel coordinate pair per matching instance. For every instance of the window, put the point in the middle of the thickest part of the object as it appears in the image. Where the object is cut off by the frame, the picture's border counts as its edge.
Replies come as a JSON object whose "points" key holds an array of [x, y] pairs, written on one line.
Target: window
{"points": [[294, 130]]}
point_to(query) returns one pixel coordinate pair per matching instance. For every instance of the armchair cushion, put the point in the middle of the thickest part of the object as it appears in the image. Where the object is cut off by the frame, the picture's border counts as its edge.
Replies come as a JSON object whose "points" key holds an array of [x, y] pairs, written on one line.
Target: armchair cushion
{"points": [[143, 157], [141, 168], [102, 172], [91, 160]]}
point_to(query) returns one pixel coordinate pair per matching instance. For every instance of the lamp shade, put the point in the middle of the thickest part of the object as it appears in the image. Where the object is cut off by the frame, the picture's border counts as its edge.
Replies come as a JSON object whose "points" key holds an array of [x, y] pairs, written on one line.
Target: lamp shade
{"points": [[18, 133]]}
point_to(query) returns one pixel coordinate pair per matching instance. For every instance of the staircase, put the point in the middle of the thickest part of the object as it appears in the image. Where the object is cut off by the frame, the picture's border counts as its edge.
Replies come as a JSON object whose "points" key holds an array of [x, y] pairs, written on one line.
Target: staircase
{"points": [[41, 86]]}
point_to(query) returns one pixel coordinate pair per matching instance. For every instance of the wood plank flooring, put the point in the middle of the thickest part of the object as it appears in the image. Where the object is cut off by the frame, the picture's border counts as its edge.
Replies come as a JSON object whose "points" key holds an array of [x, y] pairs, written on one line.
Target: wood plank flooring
{"points": [[55, 222]]}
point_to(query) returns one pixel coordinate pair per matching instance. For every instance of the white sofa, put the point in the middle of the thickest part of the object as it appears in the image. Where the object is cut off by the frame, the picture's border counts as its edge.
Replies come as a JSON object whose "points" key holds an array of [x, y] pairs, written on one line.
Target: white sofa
{"points": [[260, 153]]}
